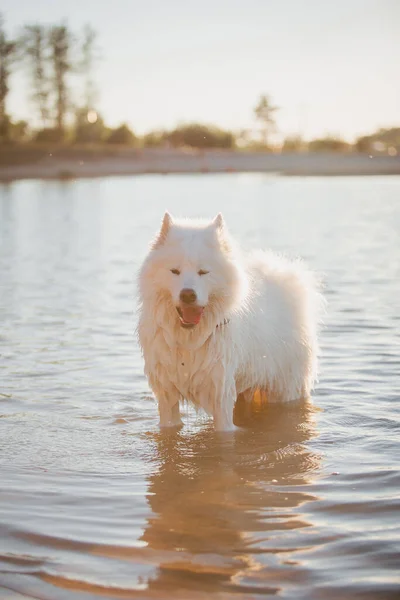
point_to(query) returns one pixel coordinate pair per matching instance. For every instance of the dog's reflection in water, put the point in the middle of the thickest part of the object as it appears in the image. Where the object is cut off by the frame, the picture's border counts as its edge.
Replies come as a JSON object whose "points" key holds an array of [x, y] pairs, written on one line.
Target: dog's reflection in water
{"points": [[222, 508]]}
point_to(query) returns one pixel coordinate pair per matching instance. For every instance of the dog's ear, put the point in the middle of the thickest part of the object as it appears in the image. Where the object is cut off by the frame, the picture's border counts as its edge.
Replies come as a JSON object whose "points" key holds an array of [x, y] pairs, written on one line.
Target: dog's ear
{"points": [[219, 222], [163, 233], [219, 227]]}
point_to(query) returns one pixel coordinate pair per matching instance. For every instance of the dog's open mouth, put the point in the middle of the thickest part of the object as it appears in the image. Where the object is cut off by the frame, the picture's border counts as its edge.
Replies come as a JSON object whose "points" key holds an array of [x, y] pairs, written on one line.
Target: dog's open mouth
{"points": [[189, 316]]}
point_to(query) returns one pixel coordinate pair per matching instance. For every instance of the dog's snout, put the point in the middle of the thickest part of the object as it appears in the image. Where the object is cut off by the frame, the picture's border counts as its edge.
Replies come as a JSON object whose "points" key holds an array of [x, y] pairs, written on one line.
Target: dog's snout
{"points": [[188, 296]]}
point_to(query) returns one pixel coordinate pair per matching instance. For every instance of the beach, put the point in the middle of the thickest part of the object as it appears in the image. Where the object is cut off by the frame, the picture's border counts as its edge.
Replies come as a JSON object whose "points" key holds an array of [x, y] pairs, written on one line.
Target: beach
{"points": [[77, 162]]}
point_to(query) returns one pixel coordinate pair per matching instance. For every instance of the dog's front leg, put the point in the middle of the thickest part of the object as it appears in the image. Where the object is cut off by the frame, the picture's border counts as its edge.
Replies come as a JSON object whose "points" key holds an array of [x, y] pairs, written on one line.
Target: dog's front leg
{"points": [[168, 403], [169, 413], [224, 404]]}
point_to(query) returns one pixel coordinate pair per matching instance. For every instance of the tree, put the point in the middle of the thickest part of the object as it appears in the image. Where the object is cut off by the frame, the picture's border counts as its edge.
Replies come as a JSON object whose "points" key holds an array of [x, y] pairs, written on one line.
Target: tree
{"points": [[19, 131], [35, 52], [121, 135], [328, 144], [294, 143], [364, 144], [60, 41], [196, 135], [385, 141], [48, 135], [154, 139], [89, 127], [8, 50], [89, 58], [264, 113]]}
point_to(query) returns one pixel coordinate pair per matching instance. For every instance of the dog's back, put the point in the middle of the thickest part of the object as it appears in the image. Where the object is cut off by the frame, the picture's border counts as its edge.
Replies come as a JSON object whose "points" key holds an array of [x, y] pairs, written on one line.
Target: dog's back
{"points": [[277, 330]]}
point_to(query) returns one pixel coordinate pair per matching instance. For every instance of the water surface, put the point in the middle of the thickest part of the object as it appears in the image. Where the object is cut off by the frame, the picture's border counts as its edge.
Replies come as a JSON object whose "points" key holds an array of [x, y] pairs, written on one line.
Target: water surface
{"points": [[301, 502]]}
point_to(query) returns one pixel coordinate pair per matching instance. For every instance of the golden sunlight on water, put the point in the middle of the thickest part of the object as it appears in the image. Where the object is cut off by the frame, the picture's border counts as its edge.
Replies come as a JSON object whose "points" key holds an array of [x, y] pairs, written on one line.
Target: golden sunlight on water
{"points": [[301, 501], [210, 507]]}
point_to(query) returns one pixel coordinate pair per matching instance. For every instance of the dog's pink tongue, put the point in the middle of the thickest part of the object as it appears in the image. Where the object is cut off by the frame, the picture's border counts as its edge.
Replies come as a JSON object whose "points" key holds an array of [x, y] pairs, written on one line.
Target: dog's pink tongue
{"points": [[192, 314]]}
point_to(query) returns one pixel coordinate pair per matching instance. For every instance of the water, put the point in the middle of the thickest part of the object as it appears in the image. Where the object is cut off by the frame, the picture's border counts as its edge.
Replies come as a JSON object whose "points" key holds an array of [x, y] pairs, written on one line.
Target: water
{"points": [[303, 501]]}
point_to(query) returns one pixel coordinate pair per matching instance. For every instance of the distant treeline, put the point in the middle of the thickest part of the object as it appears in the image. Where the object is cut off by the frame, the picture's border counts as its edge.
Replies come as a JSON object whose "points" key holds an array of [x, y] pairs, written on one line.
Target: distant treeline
{"points": [[59, 68]]}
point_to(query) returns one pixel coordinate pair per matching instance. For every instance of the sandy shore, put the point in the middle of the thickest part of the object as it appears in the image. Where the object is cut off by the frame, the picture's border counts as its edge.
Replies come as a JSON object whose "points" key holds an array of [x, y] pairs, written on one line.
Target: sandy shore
{"points": [[75, 163]]}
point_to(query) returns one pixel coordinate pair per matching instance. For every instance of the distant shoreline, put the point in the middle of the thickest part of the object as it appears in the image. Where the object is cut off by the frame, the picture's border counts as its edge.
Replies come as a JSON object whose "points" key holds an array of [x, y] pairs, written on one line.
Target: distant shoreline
{"points": [[85, 162]]}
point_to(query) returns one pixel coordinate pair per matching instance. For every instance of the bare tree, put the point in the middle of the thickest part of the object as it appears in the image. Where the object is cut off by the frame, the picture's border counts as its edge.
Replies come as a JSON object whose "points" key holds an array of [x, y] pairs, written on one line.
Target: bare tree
{"points": [[89, 58], [8, 49], [265, 113], [60, 41], [34, 44]]}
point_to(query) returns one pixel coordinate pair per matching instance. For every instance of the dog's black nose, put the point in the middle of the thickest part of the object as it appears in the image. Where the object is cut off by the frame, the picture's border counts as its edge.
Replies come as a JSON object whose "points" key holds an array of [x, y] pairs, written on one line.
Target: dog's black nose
{"points": [[188, 296]]}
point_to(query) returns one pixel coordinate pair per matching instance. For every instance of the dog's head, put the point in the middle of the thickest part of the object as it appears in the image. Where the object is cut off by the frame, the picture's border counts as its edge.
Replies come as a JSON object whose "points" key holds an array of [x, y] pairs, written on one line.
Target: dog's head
{"points": [[194, 263]]}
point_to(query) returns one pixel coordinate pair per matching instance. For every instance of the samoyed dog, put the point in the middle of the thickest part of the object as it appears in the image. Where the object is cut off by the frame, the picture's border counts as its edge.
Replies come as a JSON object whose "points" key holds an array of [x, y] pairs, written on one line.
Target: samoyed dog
{"points": [[214, 325]]}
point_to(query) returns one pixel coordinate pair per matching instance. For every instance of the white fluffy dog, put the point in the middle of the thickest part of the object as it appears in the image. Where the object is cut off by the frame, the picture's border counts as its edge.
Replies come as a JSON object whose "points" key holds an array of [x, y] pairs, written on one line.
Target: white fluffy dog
{"points": [[213, 325]]}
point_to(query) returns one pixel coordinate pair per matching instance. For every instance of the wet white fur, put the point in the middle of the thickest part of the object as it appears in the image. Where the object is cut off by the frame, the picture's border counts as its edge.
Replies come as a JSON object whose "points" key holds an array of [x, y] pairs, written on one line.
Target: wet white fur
{"points": [[270, 341]]}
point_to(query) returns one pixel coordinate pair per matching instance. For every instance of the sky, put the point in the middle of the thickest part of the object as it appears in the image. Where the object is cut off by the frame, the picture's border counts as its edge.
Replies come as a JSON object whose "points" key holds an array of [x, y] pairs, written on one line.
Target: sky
{"points": [[331, 67]]}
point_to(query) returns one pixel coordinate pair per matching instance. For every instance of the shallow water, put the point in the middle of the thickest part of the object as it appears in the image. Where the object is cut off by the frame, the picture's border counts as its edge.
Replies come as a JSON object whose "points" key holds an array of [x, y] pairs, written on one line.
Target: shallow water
{"points": [[301, 502]]}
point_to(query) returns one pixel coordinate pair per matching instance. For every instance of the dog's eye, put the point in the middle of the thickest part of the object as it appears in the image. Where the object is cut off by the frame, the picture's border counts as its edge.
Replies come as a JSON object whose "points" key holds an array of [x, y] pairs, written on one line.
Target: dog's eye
{"points": [[201, 272], [175, 271]]}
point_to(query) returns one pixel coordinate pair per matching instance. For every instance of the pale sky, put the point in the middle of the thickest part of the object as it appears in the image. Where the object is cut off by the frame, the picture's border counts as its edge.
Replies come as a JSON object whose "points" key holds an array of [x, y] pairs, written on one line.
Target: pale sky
{"points": [[331, 67]]}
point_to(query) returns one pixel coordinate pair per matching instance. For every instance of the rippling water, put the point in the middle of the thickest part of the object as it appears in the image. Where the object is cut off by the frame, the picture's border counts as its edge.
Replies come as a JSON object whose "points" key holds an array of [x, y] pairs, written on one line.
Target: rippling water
{"points": [[301, 502]]}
